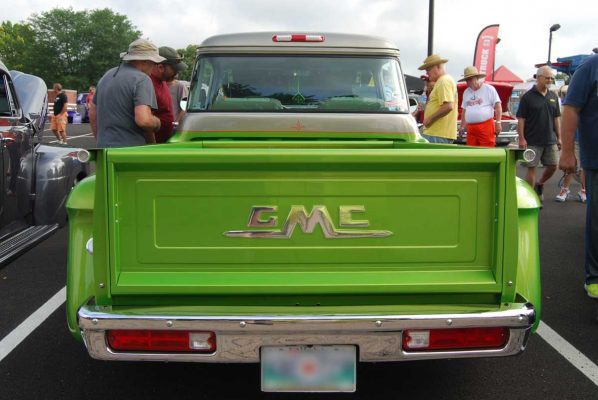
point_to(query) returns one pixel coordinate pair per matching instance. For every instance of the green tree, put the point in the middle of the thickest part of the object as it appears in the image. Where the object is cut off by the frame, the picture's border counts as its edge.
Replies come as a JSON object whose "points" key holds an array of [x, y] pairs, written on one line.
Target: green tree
{"points": [[111, 34], [15, 40], [188, 55], [77, 47]]}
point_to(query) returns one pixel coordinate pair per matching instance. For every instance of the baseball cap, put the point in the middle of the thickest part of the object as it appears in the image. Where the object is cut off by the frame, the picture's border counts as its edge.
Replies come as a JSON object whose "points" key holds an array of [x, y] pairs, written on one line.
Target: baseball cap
{"points": [[172, 58]]}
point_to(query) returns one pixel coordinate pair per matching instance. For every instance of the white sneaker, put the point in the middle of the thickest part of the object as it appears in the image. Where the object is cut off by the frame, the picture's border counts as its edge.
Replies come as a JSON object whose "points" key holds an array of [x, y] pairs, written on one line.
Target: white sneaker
{"points": [[582, 196], [563, 194]]}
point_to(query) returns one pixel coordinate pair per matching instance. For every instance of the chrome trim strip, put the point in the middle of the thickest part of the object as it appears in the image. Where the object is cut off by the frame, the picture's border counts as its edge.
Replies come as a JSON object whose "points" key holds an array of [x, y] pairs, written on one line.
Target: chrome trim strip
{"points": [[239, 338]]}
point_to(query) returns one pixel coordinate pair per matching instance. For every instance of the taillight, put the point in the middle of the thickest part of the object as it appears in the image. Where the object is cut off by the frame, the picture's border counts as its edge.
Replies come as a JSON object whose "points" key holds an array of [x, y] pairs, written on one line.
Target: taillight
{"points": [[455, 339], [162, 341], [298, 38]]}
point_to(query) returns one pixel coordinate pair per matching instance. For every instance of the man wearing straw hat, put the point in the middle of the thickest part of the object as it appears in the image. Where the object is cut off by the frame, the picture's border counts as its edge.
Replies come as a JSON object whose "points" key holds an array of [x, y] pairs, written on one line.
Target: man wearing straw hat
{"points": [[121, 111], [440, 116], [481, 104]]}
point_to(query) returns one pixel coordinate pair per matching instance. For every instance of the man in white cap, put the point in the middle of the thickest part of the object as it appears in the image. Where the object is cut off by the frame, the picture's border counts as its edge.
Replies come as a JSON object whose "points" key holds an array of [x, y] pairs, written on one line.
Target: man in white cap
{"points": [[481, 105], [121, 111], [440, 116]]}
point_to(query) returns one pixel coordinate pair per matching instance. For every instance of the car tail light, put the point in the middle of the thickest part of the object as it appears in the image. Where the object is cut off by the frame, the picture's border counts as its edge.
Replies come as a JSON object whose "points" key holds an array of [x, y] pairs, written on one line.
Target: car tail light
{"points": [[298, 38], [162, 341], [455, 339]]}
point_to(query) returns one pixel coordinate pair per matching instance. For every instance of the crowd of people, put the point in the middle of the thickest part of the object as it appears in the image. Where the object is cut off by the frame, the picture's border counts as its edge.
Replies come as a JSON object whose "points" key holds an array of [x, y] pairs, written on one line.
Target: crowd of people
{"points": [[573, 148], [138, 101], [148, 81], [481, 106]]}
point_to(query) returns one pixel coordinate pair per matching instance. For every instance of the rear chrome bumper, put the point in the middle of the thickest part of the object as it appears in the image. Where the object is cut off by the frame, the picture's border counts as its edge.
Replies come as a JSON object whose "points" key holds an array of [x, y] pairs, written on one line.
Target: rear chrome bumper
{"points": [[239, 338]]}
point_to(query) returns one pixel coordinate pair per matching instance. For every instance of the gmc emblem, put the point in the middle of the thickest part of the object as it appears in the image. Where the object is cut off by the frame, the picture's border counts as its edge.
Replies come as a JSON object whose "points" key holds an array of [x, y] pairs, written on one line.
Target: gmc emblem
{"points": [[319, 215]]}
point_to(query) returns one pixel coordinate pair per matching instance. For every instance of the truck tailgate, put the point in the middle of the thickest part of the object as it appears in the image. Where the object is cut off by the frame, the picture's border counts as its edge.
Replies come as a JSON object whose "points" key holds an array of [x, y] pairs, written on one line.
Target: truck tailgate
{"points": [[409, 220]]}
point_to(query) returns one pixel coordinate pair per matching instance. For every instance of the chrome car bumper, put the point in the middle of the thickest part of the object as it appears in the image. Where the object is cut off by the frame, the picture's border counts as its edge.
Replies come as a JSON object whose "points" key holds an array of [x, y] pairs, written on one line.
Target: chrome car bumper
{"points": [[503, 138], [507, 137], [239, 338]]}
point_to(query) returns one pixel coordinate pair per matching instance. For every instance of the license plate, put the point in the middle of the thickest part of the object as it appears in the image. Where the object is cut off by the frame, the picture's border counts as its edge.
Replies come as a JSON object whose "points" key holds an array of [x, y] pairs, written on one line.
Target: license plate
{"points": [[308, 368]]}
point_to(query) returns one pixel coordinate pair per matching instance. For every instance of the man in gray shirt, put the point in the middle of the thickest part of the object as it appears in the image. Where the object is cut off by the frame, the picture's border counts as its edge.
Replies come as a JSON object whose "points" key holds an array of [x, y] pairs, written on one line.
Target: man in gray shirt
{"points": [[121, 111]]}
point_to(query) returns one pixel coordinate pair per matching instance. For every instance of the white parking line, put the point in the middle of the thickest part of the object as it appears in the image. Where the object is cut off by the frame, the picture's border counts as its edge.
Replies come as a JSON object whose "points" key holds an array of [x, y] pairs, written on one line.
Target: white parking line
{"points": [[14, 338], [566, 349], [72, 137]]}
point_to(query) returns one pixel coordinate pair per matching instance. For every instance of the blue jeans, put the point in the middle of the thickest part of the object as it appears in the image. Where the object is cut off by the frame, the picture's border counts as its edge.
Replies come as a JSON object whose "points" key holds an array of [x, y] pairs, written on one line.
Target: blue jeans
{"points": [[437, 139], [591, 259]]}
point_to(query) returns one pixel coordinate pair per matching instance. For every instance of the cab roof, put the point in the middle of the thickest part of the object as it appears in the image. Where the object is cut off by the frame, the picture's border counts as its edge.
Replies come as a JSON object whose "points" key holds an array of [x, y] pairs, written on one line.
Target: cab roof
{"points": [[265, 42]]}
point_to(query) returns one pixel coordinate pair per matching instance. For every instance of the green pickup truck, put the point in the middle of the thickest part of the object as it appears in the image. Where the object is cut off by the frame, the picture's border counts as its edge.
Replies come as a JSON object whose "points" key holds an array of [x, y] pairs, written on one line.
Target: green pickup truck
{"points": [[298, 220]]}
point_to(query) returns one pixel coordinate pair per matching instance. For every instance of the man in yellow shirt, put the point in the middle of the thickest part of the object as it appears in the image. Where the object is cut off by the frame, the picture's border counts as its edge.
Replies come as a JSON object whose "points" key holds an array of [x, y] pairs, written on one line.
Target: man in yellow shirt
{"points": [[440, 116]]}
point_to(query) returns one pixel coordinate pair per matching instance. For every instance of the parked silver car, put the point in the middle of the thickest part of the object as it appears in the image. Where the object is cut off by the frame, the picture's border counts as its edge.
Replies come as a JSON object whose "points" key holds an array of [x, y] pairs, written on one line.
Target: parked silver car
{"points": [[35, 178]]}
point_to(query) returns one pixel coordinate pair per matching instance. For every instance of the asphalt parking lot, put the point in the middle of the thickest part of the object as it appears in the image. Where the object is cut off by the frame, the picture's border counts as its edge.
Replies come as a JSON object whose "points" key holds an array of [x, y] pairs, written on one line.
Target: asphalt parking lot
{"points": [[559, 363]]}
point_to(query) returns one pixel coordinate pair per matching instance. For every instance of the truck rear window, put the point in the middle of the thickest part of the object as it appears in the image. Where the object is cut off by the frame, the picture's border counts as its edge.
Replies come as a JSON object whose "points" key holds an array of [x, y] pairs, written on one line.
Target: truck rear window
{"points": [[298, 84]]}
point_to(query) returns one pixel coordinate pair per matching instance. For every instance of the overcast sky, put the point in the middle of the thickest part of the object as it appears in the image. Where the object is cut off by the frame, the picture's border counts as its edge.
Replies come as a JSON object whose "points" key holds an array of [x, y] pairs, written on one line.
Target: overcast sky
{"points": [[524, 24]]}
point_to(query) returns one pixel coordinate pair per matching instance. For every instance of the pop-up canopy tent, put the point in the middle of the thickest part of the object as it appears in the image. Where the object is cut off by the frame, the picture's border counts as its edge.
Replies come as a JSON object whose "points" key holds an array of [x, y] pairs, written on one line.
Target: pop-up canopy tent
{"points": [[503, 74], [567, 65], [573, 62]]}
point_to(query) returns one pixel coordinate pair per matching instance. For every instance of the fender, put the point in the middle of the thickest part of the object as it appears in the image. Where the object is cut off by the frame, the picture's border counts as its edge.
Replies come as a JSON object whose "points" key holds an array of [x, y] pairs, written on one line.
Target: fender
{"points": [[80, 279], [528, 260], [56, 170], [527, 199]]}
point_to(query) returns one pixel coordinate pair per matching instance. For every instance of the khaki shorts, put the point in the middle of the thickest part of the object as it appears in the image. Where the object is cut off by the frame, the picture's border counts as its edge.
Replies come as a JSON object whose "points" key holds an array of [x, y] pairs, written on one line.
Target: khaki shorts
{"points": [[58, 122], [549, 155]]}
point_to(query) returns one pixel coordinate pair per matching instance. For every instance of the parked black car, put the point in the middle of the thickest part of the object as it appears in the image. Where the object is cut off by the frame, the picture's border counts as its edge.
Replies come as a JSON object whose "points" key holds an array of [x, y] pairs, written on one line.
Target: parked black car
{"points": [[35, 178]]}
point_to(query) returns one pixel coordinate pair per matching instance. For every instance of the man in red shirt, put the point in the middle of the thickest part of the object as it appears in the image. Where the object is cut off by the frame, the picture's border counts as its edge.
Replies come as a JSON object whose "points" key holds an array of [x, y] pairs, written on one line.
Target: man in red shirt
{"points": [[163, 72]]}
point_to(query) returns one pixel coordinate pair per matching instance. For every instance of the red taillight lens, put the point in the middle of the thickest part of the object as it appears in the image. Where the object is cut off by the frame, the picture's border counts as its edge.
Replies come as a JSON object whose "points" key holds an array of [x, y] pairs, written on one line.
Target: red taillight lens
{"points": [[298, 38], [455, 339], [162, 341]]}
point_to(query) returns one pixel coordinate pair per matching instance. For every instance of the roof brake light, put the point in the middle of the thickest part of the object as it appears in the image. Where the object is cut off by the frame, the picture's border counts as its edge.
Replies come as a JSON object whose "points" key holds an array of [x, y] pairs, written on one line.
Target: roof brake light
{"points": [[298, 38]]}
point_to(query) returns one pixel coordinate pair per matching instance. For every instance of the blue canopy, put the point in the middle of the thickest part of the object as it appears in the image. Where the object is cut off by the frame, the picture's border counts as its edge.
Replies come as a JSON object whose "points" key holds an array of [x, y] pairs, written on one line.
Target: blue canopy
{"points": [[570, 63]]}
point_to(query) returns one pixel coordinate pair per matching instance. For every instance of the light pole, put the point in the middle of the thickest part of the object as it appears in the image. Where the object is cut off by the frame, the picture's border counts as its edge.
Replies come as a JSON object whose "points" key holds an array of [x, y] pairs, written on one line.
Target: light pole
{"points": [[553, 28], [431, 27]]}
